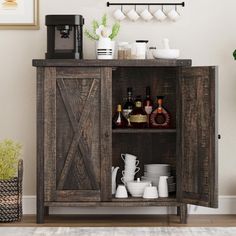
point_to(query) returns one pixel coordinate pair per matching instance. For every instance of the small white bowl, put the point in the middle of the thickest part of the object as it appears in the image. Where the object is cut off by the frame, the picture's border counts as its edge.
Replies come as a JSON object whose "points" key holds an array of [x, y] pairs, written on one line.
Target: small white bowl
{"points": [[136, 188], [166, 53]]}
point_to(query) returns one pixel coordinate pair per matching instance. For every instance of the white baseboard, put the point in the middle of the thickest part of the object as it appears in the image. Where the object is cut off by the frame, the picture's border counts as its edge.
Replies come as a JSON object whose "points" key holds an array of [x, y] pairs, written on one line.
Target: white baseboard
{"points": [[227, 205]]}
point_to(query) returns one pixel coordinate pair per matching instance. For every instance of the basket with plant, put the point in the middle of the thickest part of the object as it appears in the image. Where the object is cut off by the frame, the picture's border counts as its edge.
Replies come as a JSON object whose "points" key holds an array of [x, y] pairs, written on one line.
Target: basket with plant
{"points": [[11, 174], [104, 37]]}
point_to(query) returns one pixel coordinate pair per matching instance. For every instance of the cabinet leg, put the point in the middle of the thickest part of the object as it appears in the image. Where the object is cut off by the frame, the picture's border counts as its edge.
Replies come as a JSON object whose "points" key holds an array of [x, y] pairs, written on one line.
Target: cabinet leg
{"points": [[40, 213], [178, 211], [183, 213], [46, 211]]}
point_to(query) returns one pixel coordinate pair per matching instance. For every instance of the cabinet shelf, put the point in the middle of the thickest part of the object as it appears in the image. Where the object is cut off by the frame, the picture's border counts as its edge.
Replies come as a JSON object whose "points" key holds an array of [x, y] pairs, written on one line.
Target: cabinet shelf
{"points": [[140, 199], [137, 131]]}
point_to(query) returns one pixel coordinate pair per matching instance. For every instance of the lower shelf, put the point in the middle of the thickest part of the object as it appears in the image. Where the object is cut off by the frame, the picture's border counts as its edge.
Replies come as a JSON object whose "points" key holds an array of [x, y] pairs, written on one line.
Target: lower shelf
{"points": [[116, 202], [140, 199]]}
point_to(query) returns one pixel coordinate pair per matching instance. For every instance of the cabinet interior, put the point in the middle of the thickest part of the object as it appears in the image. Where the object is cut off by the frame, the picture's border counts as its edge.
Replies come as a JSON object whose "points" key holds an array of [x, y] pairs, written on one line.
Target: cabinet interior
{"points": [[151, 146]]}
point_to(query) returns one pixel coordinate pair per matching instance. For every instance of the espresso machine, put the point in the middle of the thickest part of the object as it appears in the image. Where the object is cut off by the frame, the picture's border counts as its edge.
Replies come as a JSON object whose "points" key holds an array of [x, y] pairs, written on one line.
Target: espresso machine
{"points": [[64, 36]]}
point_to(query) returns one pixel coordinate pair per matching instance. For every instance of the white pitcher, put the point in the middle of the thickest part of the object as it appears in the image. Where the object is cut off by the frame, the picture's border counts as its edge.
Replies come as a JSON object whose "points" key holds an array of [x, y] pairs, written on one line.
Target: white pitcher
{"points": [[113, 174], [163, 186]]}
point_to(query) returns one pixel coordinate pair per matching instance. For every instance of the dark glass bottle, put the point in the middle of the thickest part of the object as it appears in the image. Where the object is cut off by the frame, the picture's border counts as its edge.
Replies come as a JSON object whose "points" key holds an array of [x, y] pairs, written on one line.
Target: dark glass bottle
{"points": [[148, 104], [160, 117], [138, 117], [129, 105], [118, 120]]}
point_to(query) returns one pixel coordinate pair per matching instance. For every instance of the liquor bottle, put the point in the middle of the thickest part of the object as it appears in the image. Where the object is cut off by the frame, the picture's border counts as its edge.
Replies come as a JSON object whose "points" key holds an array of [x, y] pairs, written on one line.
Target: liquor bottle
{"points": [[138, 117], [160, 117], [129, 105], [148, 104], [118, 120]]}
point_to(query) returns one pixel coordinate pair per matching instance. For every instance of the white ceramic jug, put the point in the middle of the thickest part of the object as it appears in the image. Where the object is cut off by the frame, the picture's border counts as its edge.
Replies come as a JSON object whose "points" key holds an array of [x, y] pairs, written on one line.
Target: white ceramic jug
{"points": [[113, 174], [163, 186]]}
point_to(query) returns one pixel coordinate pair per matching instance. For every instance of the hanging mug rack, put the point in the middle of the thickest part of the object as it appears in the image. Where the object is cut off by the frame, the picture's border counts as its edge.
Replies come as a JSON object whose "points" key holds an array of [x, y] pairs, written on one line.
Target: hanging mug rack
{"points": [[145, 4], [146, 14]]}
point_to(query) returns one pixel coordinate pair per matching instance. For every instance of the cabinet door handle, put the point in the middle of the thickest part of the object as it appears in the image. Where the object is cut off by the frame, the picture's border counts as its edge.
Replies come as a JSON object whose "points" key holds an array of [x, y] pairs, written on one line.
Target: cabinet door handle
{"points": [[219, 136]]}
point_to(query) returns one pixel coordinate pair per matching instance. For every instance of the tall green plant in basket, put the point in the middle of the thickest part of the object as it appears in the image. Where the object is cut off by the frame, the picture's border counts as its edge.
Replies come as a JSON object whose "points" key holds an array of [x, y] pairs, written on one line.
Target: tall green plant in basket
{"points": [[11, 172], [9, 157]]}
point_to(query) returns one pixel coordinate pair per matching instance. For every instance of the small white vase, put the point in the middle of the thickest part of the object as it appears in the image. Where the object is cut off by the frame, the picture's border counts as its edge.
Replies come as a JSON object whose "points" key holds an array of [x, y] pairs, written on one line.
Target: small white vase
{"points": [[163, 186], [105, 49]]}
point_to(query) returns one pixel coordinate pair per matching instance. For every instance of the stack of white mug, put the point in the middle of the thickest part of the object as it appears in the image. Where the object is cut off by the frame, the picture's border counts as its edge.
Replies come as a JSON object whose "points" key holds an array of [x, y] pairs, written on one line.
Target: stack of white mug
{"points": [[131, 168]]}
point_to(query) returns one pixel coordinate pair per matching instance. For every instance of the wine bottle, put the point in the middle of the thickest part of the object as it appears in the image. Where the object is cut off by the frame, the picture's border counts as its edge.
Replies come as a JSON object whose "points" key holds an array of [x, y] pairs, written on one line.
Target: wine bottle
{"points": [[160, 117], [148, 104], [129, 105], [118, 120], [138, 117]]}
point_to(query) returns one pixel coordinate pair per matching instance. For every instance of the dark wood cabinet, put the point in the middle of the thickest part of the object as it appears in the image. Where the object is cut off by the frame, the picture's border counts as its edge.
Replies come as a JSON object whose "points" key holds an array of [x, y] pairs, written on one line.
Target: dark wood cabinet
{"points": [[76, 146]]}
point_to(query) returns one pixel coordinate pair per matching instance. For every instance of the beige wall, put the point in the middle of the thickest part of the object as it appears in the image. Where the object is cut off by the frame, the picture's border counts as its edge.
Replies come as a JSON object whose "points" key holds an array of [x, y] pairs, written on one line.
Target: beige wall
{"points": [[206, 33]]}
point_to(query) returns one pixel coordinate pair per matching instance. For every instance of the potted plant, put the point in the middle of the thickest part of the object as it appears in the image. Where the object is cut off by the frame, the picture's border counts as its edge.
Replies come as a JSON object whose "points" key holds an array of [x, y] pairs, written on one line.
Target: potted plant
{"points": [[104, 37], [234, 54], [11, 172]]}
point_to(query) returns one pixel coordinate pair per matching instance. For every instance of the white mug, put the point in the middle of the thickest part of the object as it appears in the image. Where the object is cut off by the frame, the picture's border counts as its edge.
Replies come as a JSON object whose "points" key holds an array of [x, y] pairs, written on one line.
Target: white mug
{"points": [[127, 156], [124, 180], [131, 163], [133, 15], [119, 15], [173, 15], [125, 172], [146, 15], [160, 15]]}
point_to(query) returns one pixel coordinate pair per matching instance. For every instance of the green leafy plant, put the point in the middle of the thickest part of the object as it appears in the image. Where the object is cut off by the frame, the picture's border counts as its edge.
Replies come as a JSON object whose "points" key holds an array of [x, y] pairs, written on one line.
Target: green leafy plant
{"points": [[95, 25], [10, 152], [234, 54]]}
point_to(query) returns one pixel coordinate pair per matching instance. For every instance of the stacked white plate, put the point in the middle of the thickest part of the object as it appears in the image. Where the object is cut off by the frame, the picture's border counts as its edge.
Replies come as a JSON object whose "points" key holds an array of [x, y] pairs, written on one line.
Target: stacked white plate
{"points": [[152, 172]]}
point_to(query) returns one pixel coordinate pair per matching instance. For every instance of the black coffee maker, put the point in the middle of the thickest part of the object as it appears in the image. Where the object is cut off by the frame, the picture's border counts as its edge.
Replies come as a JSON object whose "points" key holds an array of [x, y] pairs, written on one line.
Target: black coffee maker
{"points": [[64, 36]]}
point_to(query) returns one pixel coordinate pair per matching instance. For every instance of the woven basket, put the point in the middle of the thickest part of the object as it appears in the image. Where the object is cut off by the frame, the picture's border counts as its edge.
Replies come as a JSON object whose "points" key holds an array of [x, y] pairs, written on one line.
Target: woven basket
{"points": [[11, 197]]}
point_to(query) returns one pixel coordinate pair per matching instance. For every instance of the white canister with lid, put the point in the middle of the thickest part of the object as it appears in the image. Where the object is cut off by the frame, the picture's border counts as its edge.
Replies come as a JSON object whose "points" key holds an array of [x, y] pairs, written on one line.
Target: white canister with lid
{"points": [[139, 49]]}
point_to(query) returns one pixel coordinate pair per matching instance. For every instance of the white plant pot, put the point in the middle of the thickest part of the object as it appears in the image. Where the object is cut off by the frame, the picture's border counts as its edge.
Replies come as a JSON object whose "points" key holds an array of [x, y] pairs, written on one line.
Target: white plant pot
{"points": [[105, 49]]}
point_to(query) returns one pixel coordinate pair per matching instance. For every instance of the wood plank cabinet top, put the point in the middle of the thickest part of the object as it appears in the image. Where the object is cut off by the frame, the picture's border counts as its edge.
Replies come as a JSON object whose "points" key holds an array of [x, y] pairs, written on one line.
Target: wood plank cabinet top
{"points": [[111, 63]]}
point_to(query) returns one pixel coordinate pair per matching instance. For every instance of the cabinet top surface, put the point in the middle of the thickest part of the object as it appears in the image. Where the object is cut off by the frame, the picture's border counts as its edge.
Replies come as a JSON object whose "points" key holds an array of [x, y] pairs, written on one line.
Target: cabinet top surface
{"points": [[111, 63]]}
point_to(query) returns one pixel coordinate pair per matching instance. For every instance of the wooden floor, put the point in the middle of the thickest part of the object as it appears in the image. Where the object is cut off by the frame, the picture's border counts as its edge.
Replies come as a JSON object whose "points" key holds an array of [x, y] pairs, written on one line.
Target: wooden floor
{"points": [[127, 221]]}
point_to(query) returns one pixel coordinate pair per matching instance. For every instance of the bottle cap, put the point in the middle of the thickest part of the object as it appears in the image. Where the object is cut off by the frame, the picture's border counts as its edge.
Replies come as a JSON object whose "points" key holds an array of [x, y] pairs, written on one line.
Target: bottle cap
{"points": [[119, 108]]}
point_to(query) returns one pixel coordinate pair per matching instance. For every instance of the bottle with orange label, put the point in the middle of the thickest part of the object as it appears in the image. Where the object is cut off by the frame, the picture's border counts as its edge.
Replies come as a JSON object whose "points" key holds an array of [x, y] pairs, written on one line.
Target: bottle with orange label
{"points": [[160, 117]]}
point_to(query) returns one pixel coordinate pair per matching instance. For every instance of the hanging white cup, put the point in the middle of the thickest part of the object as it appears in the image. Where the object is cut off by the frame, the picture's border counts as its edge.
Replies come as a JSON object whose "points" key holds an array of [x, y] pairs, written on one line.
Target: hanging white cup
{"points": [[146, 15], [160, 15], [119, 15], [173, 15], [133, 15]]}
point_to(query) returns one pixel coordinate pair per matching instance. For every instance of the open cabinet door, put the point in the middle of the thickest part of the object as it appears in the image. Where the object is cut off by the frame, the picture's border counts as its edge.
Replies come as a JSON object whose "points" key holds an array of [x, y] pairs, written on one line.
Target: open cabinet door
{"points": [[197, 146]]}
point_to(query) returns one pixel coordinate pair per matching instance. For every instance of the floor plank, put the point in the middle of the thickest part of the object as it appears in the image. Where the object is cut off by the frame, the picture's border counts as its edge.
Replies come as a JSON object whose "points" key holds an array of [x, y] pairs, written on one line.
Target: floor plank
{"points": [[126, 221]]}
